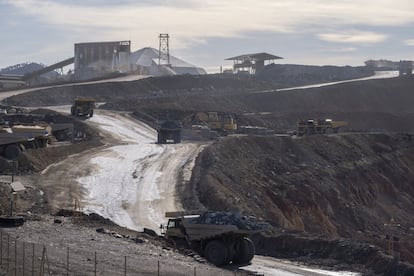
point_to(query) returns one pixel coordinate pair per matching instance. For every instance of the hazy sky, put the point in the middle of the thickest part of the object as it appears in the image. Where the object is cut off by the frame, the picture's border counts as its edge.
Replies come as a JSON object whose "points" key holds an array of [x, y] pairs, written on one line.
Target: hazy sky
{"points": [[319, 32]]}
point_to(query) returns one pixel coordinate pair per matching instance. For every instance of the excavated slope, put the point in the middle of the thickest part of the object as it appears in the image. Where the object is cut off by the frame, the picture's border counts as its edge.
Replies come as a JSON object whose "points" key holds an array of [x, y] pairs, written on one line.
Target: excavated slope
{"points": [[348, 185], [381, 104]]}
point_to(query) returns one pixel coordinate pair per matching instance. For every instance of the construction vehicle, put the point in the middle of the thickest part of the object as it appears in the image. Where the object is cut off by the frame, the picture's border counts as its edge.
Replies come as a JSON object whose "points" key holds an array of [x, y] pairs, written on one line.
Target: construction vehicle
{"points": [[169, 131], [61, 131], [83, 107], [221, 237], [223, 123], [13, 140], [310, 127]]}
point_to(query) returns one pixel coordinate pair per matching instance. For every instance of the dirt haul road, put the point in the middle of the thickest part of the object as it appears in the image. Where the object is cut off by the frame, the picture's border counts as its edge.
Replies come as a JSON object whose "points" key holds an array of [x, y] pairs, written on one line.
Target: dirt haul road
{"points": [[131, 180]]}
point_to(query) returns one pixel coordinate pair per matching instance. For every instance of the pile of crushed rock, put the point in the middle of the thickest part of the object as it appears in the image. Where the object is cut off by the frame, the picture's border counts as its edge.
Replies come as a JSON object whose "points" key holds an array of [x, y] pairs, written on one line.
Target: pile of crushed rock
{"points": [[229, 218]]}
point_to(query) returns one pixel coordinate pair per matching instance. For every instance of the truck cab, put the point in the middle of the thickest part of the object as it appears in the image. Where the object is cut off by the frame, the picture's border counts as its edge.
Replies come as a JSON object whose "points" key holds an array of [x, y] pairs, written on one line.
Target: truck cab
{"points": [[174, 228]]}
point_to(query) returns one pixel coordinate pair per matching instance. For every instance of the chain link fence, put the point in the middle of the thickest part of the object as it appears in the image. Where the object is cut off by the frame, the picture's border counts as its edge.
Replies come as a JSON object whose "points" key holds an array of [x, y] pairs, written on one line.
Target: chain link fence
{"points": [[20, 258]]}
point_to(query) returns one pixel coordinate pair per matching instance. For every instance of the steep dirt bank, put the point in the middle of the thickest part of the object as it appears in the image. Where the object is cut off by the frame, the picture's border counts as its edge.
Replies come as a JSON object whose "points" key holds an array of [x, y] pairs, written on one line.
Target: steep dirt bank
{"points": [[348, 185], [382, 104], [306, 74], [148, 89]]}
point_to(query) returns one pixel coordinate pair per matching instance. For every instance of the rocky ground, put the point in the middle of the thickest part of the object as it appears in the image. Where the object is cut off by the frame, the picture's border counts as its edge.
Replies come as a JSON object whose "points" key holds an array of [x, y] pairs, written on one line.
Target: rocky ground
{"points": [[84, 245], [320, 193], [329, 187]]}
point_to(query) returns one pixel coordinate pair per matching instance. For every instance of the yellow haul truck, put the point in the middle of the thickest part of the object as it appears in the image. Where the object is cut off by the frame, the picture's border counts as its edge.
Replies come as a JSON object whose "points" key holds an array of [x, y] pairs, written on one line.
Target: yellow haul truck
{"points": [[221, 237], [83, 107], [13, 140]]}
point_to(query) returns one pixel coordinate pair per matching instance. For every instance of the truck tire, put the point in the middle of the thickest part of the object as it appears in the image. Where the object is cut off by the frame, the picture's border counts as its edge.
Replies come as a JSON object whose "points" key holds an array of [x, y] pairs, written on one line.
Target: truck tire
{"points": [[41, 143], [31, 145], [177, 138], [12, 151], [245, 252], [91, 114], [162, 138], [216, 253], [61, 135]]}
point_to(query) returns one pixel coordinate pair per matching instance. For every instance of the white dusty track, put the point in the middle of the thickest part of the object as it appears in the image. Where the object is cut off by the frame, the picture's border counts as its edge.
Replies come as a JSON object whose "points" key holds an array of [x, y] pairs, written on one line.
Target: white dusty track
{"points": [[133, 183]]}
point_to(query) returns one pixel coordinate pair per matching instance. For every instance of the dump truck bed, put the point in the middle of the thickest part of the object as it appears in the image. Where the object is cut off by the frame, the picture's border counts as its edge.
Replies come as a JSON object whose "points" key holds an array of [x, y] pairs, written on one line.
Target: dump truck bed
{"points": [[22, 134], [207, 231], [10, 138]]}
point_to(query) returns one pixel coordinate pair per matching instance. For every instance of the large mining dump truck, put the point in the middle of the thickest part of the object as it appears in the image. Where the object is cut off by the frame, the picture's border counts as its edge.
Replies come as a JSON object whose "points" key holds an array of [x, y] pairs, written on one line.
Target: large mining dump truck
{"points": [[83, 107], [221, 237], [169, 131], [15, 139]]}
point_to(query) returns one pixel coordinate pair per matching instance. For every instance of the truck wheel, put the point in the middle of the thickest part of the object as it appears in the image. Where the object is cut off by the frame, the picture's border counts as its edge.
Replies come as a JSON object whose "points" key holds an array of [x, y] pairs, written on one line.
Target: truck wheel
{"points": [[162, 139], [177, 139], [41, 143], [61, 135], [245, 252], [216, 253], [12, 151], [91, 114], [31, 145]]}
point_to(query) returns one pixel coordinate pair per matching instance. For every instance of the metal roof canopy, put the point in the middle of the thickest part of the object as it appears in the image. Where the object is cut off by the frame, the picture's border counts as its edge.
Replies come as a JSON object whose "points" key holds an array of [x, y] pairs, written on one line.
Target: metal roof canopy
{"points": [[252, 63], [255, 57]]}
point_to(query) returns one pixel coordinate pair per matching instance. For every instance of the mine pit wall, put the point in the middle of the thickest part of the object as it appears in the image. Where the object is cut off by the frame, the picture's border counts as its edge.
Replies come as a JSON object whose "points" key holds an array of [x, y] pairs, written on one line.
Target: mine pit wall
{"points": [[357, 121], [335, 186]]}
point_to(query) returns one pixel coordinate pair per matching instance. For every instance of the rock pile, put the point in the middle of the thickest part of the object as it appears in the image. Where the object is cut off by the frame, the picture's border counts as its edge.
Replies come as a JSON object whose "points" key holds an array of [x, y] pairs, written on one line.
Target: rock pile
{"points": [[228, 218]]}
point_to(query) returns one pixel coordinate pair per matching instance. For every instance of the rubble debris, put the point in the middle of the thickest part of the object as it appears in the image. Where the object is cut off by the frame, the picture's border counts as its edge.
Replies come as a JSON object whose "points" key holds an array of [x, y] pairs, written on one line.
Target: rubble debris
{"points": [[229, 218]]}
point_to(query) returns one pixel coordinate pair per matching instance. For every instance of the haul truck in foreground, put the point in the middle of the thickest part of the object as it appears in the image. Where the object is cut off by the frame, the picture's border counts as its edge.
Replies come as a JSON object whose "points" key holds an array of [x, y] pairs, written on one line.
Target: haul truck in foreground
{"points": [[15, 139], [221, 237]]}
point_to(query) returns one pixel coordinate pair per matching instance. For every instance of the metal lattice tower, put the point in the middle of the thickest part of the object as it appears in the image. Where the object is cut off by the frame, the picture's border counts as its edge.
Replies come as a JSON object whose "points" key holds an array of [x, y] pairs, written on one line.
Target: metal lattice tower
{"points": [[164, 50]]}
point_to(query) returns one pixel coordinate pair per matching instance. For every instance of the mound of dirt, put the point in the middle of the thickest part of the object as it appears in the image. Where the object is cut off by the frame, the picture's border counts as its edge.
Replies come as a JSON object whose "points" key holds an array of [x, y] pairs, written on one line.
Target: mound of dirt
{"points": [[307, 74], [349, 186], [336, 186], [381, 105], [127, 95]]}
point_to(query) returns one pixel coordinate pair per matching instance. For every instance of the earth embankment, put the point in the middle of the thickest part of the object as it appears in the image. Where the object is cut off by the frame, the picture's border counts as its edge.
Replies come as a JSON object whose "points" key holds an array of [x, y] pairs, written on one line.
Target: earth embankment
{"points": [[380, 104], [352, 186]]}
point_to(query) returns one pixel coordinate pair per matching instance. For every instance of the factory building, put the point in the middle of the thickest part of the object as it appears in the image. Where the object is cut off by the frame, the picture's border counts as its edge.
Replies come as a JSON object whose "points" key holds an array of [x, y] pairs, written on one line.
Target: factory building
{"points": [[95, 59]]}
